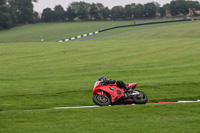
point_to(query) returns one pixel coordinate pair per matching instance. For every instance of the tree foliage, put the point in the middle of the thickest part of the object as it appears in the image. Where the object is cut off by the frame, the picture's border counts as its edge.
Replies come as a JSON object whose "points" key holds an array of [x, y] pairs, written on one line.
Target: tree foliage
{"points": [[94, 11], [117, 12], [14, 12], [59, 13], [163, 10], [183, 7], [129, 10], [25, 11], [139, 11], [70, 14], [149, 10], [80, 9], [48, 15], [5, 16]]}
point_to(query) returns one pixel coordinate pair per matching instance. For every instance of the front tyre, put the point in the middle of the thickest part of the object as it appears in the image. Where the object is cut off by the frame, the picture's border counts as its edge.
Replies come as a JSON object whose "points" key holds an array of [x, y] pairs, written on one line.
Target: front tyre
{"points": [[101, 100], [141, 98]]}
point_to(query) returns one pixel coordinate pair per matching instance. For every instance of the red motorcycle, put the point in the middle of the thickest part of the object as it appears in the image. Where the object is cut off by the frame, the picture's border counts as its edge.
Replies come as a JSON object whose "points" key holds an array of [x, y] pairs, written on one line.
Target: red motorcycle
{"points": [[104, 95]]}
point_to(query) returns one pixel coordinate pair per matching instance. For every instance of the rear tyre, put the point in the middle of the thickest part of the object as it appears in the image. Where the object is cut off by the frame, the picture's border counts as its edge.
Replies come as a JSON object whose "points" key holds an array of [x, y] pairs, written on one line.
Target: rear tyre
{"points": [[101, 100], [141, 98]]}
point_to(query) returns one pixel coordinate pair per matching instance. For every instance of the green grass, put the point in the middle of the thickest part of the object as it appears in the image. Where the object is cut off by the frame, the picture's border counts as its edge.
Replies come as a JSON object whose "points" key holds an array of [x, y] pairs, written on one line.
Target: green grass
{"points": [[176, 118], [54, 31], [163, 58], [57, 31], [37, 74]]}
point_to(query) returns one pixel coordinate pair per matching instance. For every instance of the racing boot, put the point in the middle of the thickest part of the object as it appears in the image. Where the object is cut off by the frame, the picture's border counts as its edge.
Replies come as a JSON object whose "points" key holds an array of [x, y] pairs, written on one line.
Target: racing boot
{"points": [[129, 90]]}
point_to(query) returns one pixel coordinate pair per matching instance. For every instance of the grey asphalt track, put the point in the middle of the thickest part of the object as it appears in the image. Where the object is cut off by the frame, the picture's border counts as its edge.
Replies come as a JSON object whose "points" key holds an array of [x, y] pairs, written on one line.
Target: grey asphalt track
{"points": [[100, 36]]}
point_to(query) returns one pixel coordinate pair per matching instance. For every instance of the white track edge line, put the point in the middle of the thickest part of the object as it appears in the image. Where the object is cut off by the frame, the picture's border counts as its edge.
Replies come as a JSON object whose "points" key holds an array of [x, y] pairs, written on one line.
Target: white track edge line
{"points": [[95, 106]]}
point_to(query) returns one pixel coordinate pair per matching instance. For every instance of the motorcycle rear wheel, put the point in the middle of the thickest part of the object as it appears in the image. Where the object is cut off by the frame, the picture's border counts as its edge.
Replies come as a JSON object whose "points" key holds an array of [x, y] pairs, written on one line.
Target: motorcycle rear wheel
{"points": [[141, 99], [101, 100]]}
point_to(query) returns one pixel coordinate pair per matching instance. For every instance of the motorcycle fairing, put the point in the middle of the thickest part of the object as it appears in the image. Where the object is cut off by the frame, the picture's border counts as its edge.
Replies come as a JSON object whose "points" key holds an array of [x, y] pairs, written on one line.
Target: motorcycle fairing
{"points": [[111, 89], [132, 85]]}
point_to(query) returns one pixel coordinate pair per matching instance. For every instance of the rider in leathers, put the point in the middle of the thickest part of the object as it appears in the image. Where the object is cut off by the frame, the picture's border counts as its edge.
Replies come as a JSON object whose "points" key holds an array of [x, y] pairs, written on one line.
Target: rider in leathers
{"points": [[119, 83]]}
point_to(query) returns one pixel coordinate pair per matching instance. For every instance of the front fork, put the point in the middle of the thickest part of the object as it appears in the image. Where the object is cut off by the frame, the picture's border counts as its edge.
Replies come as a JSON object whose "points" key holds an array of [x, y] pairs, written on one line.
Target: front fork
{"points": [[102, 93]]}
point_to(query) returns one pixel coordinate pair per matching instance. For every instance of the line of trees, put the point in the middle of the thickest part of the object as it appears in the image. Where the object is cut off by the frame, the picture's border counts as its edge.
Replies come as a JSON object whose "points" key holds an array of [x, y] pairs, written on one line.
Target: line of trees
{"points": [[86, 11], [15, 12]]}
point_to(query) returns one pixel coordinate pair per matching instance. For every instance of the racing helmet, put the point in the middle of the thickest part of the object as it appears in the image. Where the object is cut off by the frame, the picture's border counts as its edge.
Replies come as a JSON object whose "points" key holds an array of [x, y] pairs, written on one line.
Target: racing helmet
{"points": [[102, 78]]}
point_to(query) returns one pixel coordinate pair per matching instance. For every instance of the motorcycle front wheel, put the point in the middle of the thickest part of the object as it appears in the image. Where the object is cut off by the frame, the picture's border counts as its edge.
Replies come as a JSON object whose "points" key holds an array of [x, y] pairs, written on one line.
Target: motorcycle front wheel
{"points": [[141, 98], [101, 100]]}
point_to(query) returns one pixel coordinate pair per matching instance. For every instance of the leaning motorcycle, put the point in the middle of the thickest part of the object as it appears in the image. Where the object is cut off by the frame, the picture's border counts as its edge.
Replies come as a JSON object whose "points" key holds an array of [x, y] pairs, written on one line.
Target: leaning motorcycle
{"points": [[104, 95]]}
